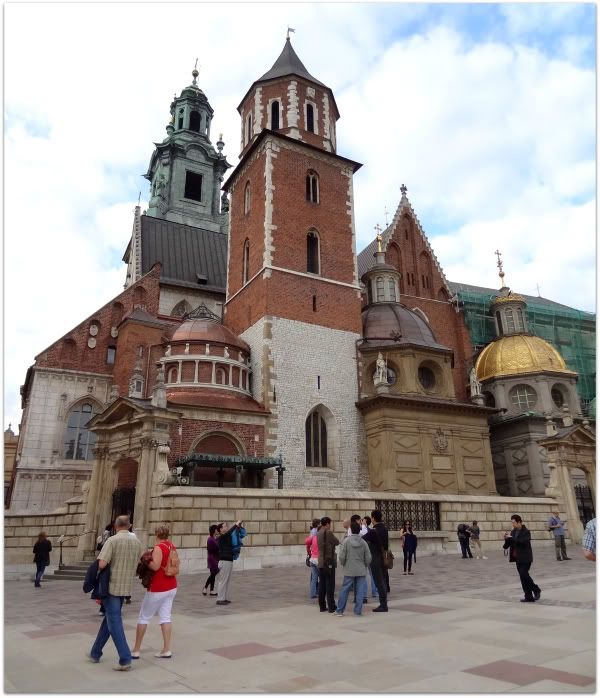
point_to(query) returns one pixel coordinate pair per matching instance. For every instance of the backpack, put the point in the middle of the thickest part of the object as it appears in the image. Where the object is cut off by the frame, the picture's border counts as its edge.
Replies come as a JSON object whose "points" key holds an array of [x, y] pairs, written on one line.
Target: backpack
{"points": [[171, 569]]}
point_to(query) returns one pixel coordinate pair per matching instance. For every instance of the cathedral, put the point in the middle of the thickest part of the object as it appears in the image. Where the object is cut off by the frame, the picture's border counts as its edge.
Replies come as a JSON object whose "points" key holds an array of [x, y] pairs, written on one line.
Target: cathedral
{"points": [[252, 347]]}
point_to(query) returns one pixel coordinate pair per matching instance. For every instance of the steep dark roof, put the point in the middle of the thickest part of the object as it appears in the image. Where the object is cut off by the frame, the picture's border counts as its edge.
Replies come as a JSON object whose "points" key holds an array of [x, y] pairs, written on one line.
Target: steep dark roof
{"points": [[185, 252], [366, 258], [288, 63]]}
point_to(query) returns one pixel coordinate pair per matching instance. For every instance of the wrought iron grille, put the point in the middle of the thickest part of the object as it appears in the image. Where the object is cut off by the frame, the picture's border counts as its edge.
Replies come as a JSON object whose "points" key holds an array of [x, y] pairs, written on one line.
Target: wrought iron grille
{"points": [[425, 516], [585, 503]]}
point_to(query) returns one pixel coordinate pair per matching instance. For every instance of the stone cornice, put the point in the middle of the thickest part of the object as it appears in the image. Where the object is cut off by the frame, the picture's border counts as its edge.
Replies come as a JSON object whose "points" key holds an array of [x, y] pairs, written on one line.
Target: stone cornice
{"points": [[391, 400]]}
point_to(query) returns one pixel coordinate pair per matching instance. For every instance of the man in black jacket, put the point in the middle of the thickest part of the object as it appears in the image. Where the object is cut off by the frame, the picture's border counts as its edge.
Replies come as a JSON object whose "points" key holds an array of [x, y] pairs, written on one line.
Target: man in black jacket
{"points": [[383, 534], [225, 560], [377, 540], [519, 542]]}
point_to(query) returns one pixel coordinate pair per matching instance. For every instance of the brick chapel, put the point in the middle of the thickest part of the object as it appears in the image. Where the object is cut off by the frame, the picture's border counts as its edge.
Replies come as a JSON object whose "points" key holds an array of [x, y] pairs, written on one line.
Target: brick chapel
{"points": [[251, 346]]}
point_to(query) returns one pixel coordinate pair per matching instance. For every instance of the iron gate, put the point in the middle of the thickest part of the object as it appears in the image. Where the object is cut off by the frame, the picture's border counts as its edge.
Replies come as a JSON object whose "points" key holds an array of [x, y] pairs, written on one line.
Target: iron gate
{"points": [[123, 500], [585, 503], [425, 516]]}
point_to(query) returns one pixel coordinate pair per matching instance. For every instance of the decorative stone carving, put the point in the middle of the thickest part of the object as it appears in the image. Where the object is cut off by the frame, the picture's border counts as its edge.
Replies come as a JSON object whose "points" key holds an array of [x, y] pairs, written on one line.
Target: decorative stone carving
{"points": [[187, 348], [475, 384], [380, 377], [226, 352], [93, 330], [91, 342], [440, 441], [114, 332], [168, 350]]}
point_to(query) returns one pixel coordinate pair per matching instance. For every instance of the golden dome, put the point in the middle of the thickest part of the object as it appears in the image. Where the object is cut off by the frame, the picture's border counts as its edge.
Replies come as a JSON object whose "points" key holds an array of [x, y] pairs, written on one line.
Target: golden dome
{"points": [[518, 354]]}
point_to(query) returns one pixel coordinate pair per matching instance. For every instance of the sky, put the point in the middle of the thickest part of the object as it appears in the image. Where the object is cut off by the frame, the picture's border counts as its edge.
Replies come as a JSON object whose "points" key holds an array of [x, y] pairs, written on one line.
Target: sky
{"points": [[485, 112]]}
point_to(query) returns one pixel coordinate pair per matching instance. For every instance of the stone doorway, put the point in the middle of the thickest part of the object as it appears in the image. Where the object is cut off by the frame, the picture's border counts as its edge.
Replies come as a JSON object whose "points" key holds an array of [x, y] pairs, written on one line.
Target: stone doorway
{"points": [[123, 502]]}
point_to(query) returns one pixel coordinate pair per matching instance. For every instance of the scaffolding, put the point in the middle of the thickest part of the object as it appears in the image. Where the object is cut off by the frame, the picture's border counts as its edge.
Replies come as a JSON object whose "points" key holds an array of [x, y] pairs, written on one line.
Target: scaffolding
{"points": [[571, 332]]}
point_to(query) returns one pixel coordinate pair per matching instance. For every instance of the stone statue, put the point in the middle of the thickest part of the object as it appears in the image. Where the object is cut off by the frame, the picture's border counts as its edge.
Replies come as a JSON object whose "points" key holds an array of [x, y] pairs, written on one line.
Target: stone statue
{"points": [[187, 348], [475, 384], [224, 203], [168, 351], [380, 371], [160, 187], [226, 353]]}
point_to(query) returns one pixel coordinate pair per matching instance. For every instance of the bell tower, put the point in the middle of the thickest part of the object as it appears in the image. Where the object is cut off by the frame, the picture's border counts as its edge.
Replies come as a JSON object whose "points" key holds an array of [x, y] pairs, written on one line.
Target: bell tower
{"points": [[185, 170], [292, 284]]}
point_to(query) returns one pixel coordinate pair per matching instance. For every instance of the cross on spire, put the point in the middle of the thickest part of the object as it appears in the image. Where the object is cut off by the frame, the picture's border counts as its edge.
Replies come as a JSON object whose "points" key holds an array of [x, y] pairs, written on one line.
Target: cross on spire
{"points": [[379, 238], [385, 213], [499, 265], [195, 74], [403, 190]]}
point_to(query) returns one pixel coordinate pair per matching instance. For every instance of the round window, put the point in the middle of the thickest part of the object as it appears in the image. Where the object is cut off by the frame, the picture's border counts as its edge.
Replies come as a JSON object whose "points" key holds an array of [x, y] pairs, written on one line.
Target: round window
{"points": [[426, 377], [523, 397], [557, 397]]}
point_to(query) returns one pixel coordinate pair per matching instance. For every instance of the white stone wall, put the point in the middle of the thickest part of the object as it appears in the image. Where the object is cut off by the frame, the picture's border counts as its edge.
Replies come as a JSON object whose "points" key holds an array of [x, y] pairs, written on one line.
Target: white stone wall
{"points": [[44, 480], [297, 353], [169, 297]]}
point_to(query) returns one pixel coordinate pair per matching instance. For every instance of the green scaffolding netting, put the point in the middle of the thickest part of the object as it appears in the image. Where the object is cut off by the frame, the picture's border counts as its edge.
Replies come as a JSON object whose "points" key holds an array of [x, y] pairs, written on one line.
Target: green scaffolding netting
{"points": [[572, 332]]}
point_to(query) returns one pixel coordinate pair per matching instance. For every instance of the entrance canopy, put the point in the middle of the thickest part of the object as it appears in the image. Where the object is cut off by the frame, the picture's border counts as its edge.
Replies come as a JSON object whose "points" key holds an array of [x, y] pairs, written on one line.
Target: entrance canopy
{"points": [[185, 466]]}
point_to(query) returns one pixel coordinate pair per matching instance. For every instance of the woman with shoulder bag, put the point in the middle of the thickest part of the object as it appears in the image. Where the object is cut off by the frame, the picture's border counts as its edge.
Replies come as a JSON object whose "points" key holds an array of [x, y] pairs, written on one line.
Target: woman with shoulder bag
{"points": [[312, 558], [161, 593], [326, 542]]}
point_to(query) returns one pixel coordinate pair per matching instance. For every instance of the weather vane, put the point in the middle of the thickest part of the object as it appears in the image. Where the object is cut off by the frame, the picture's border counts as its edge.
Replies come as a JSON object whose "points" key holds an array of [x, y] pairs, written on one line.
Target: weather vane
{"points": [[499, 265], [195, 73], [289, 29]]}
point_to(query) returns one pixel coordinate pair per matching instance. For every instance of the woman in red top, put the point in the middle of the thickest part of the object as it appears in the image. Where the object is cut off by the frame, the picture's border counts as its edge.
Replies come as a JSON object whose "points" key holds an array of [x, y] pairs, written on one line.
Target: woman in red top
{"points": [[159, 597]]}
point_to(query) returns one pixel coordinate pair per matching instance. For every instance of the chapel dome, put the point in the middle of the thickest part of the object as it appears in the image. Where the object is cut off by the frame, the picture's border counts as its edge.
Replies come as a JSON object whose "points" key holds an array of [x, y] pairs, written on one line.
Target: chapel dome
{"points": [[517, 354], [209, 331], [394, 323]]}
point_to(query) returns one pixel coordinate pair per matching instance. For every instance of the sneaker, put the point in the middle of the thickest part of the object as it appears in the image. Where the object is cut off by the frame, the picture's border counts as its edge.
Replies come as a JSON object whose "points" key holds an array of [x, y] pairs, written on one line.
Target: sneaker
{"points": [[405, 572], [222, 603], [566, 558], [213, 593], [122, 667], [527, 599], [227, 601], [484, 558], [380, 610], [204, 592], [537, 594], [93, 660], [411, 573], [135, 655], [337, 613], [164, 655]]}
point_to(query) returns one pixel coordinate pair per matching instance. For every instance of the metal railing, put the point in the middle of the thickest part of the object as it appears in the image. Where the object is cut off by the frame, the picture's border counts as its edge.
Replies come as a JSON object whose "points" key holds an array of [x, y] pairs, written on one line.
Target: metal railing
{"points": [[62, 540], [424, 516]]}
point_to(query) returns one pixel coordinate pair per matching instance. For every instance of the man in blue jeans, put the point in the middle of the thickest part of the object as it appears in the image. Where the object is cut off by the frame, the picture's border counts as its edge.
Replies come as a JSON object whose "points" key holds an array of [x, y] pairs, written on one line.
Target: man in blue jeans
{"points": [[355, 557], [122, 551]]}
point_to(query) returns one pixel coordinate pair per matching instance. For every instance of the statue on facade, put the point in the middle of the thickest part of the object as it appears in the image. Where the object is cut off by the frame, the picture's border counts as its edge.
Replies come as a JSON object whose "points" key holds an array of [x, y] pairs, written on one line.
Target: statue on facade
{"points": [[161, 184], [380, 377], [475, 384], [224, 203]]}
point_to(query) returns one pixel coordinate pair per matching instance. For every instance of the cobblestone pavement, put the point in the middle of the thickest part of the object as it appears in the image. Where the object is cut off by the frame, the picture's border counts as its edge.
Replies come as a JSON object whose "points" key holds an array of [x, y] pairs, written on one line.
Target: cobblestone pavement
{"points": [[455, 626]]}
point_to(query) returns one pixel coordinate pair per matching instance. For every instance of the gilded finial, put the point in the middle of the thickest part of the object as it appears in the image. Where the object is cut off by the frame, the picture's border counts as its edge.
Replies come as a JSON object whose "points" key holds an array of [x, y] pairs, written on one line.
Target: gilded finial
{"points": [[500, 269], [195, 74], [379, 238]]}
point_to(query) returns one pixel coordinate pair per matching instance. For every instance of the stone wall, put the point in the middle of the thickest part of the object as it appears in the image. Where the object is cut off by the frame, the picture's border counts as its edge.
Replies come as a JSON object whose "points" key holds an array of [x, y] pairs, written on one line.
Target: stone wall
{"points": [[277, 522]]}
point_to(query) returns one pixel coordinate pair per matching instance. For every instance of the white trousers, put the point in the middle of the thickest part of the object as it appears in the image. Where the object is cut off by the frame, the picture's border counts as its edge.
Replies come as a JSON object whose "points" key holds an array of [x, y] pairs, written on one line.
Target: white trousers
{"points": [[157, 602], [225, 567]]}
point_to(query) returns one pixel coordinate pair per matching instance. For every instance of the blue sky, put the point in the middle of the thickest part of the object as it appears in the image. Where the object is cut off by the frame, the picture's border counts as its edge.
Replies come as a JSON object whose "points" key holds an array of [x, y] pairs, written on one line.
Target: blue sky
{"points": [[486, 112]]}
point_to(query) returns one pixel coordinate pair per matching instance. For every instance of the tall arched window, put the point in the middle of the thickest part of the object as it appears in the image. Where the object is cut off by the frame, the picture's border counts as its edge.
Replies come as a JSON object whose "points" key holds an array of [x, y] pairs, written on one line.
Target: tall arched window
{"points": [[274, 115], [380, 288], [195, 121], [220, 377], [172, 374], [391, 289], [520, 320], [78, 441], [312, 187], [510, 320], [246, 262], [312, 252], [248, 128], [247, 198], [310, 118], [316, 440]]}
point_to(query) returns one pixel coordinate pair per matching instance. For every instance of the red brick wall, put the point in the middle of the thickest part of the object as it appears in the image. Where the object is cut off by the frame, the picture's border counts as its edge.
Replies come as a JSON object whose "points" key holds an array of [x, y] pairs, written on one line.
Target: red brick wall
{"points": [[72, 352], [133, 335], [127, 470], [193, 428], [279, 90], [407, 251]]}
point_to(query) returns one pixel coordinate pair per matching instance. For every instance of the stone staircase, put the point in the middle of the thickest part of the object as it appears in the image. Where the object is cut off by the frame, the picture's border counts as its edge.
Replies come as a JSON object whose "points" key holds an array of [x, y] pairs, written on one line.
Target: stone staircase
{"points": [[74, 571]]}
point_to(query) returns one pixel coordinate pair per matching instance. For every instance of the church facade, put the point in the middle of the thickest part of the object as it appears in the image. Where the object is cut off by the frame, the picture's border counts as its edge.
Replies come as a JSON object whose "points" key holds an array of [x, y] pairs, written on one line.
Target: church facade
{"points": [[251, 346]]}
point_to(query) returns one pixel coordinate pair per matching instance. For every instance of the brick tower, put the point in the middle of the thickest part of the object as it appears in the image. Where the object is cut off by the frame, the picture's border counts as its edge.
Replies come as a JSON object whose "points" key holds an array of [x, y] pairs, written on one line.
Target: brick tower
{"points": [[292, 286]]}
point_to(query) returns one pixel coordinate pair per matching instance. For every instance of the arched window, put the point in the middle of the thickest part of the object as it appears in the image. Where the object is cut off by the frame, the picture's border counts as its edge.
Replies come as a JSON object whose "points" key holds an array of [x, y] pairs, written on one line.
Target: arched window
{"points": [[195, 121], [391, 289], [380, 289], [180, 120], [310, 118], [312, 252], [248, 128], [274, 115], [558, 397], [316, 440], [220, 378], [247, 198], [181, 309], [111, 352], [246, 262], [312, 187], [172, 374], [78, 441], [523, 397], [510, 320], [520, 321]]}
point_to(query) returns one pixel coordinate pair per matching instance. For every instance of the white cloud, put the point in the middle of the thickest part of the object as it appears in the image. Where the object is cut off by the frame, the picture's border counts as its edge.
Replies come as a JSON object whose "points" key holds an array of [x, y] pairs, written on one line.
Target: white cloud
{"points": [[494, 140]]}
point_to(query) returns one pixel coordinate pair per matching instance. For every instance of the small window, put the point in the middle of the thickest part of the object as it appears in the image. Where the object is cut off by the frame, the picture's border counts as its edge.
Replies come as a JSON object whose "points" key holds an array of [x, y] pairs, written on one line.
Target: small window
{"points": [[195, 121], [312, 187], [380, 289], [499, 322], [110, 355], [246, 262], [172, 375], [248, 128], [520, 322], [510, 320], [193, 186], [180, 122], [312, 252], [314, 299], [523, 397], [316, 440], [78, 442], [557, 397], [274, 115], [391, 289], [426, 377], [247, 198], [220, 376], [310, 118]]}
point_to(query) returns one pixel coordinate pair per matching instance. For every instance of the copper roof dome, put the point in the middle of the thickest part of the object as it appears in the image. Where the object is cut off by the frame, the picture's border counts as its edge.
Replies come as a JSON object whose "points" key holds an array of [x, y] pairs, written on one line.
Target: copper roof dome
{"points": [[394, 323], [203, 330]]}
